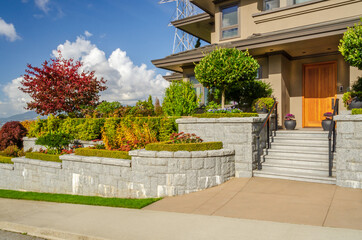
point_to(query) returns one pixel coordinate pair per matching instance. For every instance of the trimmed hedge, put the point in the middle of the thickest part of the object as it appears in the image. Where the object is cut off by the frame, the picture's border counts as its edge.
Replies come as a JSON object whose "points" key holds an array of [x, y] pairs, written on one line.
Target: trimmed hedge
{"points": [[184, 146], [356, 111], [102, 153], [43, 156], [224, 115], [4, 159]]}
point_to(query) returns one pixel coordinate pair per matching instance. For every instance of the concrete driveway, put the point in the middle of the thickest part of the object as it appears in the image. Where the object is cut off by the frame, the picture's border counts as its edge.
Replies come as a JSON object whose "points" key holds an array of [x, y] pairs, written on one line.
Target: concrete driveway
{"points": [[273, 200]]}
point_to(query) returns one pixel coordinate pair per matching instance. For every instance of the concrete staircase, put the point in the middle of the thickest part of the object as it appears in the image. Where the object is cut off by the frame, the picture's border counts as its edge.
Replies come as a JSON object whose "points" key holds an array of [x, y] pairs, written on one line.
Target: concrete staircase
{"points": [[297, 155]]}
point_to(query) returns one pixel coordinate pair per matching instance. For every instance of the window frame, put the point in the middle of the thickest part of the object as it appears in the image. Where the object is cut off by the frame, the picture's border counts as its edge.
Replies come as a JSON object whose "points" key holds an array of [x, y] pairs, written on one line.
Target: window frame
{"points": [[237, 26], [264, 5]]}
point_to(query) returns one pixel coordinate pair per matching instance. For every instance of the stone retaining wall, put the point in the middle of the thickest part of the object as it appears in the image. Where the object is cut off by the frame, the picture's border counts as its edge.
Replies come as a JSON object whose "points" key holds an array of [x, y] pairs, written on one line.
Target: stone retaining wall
{"points": [[148, 174], [349, 151], [238, 134]]}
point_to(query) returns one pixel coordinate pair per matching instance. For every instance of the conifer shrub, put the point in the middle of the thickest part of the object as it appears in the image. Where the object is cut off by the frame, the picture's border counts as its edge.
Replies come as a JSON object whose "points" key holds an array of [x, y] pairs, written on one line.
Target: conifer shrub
{"points": [[12, 133]]}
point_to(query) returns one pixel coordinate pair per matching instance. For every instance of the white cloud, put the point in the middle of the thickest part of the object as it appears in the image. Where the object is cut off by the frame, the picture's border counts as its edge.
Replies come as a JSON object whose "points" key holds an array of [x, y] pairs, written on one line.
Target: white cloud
{"points": [[87, 34], [42, 5], [16, 99], [126, 81], [8, 30]]}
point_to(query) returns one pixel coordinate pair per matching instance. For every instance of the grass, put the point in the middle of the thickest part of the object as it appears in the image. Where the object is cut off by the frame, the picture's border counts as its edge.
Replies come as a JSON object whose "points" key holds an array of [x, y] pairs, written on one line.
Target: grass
{"points": [[4, 159], [102, 153], [43, 156], [76, 199], [174, 147]]}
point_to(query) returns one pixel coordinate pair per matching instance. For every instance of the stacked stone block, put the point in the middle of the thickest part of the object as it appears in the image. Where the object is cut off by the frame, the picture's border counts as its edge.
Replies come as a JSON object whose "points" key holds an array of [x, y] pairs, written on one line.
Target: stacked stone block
{"points": [[349, 151], [238, 134]]}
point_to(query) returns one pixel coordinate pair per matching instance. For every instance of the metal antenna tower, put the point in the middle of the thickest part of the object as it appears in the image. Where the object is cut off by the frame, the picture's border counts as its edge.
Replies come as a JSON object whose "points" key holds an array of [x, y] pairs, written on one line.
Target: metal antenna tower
{"points": [[182, 40]]}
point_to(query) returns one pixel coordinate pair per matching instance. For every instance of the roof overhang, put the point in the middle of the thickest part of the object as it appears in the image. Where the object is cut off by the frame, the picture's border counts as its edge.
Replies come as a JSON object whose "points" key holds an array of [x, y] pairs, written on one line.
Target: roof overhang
{"points": [[206, 5], [198, 25], [174, 76], [286, 40]]}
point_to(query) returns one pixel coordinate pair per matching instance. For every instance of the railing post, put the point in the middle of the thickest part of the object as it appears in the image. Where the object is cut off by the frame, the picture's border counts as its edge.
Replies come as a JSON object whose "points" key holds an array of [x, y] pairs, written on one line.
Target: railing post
{"points": [[268, 132], [330, 156], [258, 153], [276, 119]]}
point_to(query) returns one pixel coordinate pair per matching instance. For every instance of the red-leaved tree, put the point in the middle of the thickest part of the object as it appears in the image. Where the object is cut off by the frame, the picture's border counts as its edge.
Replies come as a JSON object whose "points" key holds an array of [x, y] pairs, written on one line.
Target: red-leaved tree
{"points": [[60, 87]]}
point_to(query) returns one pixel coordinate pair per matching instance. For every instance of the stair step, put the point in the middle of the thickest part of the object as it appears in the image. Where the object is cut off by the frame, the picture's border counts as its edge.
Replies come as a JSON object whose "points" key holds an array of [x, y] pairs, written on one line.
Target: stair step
{"points": [[293, 169], [296, 147], [296, 154], [301, 141], [297, 162], [297, 177], [303, 134]]}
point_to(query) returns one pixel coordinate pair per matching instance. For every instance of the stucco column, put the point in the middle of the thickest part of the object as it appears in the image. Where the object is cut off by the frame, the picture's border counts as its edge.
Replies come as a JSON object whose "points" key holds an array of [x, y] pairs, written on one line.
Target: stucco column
{"points": [[354, 73]]}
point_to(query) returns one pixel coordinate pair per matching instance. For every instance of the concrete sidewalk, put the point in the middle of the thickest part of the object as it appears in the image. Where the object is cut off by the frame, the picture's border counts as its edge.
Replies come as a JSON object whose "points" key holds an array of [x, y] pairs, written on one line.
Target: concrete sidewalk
{"points": [[67, 221], [273, 200]]}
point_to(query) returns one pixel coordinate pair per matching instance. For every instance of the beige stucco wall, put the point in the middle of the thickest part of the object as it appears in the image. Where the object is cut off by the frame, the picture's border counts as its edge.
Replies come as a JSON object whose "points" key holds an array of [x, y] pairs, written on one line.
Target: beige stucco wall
{"points": [[251, 21]]}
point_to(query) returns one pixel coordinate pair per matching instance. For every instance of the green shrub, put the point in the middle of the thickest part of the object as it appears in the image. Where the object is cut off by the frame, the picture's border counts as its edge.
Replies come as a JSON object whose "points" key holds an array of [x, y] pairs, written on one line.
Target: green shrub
{"points": [[261, 103], [55, 141], [4, 159], [351, 45], [356, 111], [102, 153], [180, 99], [224, 115], [12, 151], [357, 86], [106, 108], [166, 146], [43, 156]]}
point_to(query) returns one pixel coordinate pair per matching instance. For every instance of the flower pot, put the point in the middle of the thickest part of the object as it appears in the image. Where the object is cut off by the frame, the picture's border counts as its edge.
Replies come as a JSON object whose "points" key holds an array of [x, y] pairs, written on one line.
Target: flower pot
{"points": [[356, 103], [326, 123], [290, 124], [261, 109]]}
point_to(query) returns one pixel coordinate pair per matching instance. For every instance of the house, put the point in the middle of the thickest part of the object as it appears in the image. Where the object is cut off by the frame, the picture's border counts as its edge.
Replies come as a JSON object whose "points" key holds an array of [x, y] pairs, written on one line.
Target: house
{"points": [[294, 41]]}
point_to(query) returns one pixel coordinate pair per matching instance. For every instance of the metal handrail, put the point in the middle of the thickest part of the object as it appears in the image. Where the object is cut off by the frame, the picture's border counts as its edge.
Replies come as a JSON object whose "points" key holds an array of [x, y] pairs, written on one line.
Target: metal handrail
{"points": [[267, 123], [332, 136]]}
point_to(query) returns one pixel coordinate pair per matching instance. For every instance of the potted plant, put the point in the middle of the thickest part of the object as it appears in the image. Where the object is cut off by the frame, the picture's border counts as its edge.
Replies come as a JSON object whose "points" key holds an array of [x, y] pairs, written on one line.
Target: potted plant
{"points": [[326, 123], [352, 99], [289, 121], [263, 105]]}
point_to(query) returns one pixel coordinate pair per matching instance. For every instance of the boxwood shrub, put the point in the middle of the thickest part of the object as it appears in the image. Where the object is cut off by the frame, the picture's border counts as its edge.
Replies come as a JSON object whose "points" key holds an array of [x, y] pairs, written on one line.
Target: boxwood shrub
{"points": [[4, 159], [356, 111], [224, 115], [166, 146], [43, 156], [102, 153]]}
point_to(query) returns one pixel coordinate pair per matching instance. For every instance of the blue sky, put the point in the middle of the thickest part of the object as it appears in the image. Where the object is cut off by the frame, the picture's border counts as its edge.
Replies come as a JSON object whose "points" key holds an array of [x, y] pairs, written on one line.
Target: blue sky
{"points": [[117, 38]]}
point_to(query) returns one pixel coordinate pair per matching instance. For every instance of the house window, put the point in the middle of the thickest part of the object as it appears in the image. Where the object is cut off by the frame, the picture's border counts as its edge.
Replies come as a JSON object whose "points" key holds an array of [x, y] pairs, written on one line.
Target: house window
{"points": [[271, 4], [229, 22], [300, 1], [259, 73], [202, 92]]}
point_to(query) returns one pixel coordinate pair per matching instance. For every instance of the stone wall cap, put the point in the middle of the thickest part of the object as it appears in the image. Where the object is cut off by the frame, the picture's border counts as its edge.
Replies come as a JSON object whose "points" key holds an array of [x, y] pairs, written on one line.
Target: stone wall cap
{"points": [[182, 154], [164, 154], [220, 120], [97, 160], [37, 162], [133, 152], [7, 166], [146, 153], [352, 118]]}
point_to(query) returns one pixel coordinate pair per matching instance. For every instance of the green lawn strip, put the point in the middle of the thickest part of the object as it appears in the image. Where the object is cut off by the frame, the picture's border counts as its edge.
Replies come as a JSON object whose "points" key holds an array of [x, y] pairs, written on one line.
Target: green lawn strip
{"points": [[356, 111], [102, 153], [76, 199], [4, 159], [224, 115], [174, 147]]}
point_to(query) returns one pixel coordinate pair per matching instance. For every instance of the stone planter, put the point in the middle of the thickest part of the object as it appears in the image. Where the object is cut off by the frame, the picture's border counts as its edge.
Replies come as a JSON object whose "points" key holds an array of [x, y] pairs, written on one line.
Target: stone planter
{"points": [[326, 123], [290, 124]]}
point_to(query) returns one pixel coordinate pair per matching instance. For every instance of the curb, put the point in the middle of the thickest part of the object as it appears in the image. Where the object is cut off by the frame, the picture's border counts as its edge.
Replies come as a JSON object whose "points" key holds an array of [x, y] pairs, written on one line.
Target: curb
{"points": [[46, 233]]}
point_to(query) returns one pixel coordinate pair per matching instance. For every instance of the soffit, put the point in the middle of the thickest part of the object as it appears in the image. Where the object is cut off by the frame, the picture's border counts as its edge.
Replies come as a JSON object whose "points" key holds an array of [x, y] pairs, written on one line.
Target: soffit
{"points": [[206, 5], [199, 25]]}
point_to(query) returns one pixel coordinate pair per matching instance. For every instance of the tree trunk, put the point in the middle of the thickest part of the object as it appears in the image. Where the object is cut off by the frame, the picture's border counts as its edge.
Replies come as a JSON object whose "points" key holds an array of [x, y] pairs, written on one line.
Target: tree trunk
{"points": [[223, 99]]}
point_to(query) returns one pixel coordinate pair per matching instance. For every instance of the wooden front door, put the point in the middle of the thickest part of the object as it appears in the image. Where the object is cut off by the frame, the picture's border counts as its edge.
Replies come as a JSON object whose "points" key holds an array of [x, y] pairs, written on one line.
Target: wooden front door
{"points": [[319, 88]]}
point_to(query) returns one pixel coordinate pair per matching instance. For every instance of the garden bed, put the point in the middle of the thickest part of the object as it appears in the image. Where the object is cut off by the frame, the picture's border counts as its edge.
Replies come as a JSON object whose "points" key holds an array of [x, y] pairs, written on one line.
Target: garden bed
{"points": [[102, 153], [165, 146]]}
